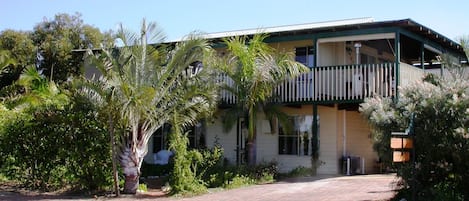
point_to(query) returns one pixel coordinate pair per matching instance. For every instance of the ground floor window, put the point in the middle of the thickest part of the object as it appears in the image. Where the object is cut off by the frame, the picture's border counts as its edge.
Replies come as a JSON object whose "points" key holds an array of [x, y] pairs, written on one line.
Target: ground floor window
{"points": [[299, 140], [160, 138], [195, 134]]}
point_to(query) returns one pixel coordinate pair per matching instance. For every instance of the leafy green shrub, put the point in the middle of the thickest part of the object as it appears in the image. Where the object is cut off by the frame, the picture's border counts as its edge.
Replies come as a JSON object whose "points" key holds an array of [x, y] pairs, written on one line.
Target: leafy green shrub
{"points": [[51, 147], [142, 188], [439, 109], [208, 161], [265, 172], [446, 191], [220, 176], [183, 180], [265, 178], [238, 181]]}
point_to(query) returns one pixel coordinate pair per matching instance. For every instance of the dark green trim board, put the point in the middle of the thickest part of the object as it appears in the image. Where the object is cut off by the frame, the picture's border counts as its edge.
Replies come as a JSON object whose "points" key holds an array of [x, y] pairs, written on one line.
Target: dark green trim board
{"points": [[276, 39], [422, 55], [356, 32], [315, 47], [315, 141], [397, 47]]}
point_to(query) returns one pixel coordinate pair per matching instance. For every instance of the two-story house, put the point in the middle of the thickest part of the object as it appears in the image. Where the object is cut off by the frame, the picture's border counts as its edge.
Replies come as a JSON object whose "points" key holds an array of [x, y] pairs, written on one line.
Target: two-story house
{"points": [[349, 60]]}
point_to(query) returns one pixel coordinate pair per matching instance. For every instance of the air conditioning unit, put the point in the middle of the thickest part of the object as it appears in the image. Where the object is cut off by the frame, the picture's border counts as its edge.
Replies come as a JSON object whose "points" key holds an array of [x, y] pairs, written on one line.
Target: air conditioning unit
{"points": [[353, 165]]}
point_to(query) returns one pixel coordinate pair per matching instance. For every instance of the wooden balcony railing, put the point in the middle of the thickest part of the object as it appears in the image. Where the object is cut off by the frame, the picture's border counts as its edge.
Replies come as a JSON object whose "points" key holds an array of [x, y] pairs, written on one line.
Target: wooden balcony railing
{"points": [[409, 74], [333, 83]]}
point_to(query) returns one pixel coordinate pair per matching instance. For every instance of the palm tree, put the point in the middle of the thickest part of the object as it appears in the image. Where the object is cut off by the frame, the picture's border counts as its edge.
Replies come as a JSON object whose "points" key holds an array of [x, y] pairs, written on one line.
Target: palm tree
{"points": [[255, 69], [152, 82], [38, 90]]}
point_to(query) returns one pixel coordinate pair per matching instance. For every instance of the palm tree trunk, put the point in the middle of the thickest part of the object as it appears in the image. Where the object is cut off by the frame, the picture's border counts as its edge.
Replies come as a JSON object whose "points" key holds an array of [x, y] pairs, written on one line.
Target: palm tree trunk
{"points": [[131, 184], [130, 162], [252, 153], [113, 155]]}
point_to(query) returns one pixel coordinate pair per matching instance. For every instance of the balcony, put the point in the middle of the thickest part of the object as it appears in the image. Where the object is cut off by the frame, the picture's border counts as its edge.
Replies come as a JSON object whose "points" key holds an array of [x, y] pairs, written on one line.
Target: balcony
{"points": [[345, 83]]}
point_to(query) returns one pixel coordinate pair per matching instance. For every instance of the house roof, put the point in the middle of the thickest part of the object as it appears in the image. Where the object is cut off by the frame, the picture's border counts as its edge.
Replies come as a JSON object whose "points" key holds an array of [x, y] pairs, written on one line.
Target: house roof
{"points": [[285, 28], [344, 25], [291, 28]]}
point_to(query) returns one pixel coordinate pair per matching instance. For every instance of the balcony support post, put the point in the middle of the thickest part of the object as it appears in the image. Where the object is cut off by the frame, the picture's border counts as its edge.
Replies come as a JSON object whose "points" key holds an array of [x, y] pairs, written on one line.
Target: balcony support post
{"points": [[315, 140], [397, 47]]}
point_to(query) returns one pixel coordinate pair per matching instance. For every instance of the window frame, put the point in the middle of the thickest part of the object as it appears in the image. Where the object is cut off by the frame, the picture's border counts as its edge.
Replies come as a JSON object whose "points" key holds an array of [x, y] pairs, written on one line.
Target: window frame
{"points": [[299, 145], [308, 55]]}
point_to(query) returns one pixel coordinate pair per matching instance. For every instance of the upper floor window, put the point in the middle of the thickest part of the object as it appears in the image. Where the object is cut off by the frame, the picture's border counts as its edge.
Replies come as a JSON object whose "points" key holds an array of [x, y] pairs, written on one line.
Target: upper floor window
{"points": [[305, 55], [367, 59]]}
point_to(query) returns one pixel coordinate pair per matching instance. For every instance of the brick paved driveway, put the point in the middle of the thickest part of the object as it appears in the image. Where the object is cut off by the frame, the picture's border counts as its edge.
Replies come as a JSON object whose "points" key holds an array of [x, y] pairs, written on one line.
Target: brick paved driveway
{"points": [[323, 188], [366, 187]]}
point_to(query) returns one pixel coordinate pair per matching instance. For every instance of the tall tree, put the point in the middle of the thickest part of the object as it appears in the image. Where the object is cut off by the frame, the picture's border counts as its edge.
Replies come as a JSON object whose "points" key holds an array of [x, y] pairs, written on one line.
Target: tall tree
{"points": [[16, 52], [150, 83], [101, 95], [56, 41], [256, 69]]}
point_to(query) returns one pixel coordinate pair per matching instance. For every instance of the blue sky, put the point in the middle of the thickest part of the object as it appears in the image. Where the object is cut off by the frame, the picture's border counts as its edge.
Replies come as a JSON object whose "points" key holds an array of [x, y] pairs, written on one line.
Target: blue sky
{"points": [[180, 17]]}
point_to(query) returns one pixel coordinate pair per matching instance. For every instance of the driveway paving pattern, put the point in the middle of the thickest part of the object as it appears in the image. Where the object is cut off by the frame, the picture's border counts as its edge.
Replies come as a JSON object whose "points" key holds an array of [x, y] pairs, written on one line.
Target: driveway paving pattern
{"points": [[321, 188]]}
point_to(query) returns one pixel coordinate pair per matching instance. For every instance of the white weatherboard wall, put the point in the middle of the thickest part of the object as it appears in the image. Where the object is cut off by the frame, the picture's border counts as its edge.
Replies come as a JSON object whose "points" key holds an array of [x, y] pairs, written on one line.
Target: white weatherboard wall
{"points": [[331, 122], [331, 54], [359, 142], [226, 140], [328, 153], [267, 142]]}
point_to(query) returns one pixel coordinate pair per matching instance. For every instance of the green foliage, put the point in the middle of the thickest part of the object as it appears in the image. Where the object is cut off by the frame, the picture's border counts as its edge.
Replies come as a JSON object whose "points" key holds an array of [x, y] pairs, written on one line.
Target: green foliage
{"points": [[16, 52], [441, 128], [142, 188], [52, 45], [381, 118], [50, 147], [446, 191], [238, 181], [209, 159], [57, 39], [147, 84], [183, 180], [197, 169], [19, 45], [223, 176]]}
